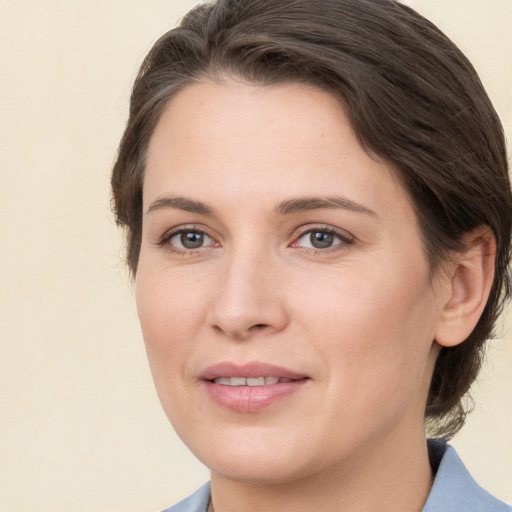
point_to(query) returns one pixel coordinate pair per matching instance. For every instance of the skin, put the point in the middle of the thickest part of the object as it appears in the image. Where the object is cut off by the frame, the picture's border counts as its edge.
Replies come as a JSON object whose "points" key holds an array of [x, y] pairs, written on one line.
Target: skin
{"points": [[358, 318]]}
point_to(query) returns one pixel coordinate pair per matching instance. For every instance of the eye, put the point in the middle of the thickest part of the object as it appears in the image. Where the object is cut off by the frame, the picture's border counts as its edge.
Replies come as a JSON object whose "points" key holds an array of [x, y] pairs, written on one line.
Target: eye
{"points": [[189, 240], [322, 239]]}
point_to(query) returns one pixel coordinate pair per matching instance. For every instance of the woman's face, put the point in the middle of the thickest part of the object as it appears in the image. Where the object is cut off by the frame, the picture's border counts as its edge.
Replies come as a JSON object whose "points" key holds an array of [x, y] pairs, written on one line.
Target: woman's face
{"points": [[282, 288]]}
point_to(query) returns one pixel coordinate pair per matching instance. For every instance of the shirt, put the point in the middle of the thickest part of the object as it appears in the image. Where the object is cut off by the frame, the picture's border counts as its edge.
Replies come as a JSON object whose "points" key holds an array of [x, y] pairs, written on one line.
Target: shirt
{"points": [[454, 489]]}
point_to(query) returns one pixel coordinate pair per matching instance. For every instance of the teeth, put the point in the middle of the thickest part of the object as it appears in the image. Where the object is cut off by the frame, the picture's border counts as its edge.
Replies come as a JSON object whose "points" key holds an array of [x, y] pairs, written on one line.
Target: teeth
{"points": [[250, 381], [256, 381], [225, 381]]}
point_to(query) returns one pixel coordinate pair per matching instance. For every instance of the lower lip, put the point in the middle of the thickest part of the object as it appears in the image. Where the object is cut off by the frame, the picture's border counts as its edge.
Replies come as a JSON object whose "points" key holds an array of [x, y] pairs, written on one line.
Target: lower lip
{"points": [[251, 398]]}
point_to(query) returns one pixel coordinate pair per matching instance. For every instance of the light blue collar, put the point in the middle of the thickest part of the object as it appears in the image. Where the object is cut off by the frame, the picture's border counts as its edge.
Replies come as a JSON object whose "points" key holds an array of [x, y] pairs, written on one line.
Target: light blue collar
{"points": [[454, 489]]}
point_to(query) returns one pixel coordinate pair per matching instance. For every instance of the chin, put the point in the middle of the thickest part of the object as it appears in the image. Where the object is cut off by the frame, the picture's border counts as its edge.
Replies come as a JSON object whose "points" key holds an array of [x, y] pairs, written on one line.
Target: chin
{"points": [[263, 457], [260, 470]]}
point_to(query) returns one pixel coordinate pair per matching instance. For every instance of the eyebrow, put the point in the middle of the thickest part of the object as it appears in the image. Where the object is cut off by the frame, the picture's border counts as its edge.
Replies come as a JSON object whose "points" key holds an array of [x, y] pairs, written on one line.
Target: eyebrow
{"points": [[180, 203], [304, 204], [295, 205]]}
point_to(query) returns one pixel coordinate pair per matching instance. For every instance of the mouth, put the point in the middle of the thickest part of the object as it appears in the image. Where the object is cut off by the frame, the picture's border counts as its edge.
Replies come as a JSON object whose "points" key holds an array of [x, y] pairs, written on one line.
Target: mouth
{"points": [[250, 387], [250, 381], [249, 374]]}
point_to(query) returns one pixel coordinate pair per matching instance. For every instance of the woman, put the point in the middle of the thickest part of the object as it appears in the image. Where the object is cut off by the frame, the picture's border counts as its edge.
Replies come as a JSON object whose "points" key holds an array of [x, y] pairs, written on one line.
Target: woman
{"points": [[318, 218]]}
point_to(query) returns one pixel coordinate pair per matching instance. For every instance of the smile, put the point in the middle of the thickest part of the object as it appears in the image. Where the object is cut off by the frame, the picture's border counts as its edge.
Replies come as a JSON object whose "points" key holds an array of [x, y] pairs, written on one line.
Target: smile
{"points": [[250, 387], [250, 381]]}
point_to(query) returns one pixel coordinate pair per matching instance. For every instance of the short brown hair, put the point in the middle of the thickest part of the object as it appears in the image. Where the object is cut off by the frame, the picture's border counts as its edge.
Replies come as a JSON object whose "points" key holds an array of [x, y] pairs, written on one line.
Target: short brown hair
{"points": [[412, 97]]}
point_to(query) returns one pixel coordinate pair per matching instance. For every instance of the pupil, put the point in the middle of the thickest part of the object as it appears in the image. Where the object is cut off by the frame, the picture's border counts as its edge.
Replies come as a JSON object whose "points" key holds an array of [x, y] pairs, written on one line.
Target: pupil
{"points": [[192, 240], [321, 240]]}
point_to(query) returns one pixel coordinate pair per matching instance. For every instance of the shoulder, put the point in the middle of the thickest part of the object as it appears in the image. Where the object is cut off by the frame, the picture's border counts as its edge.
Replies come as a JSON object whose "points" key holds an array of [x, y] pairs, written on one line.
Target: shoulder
{"points": [[197, 502], [454, 489]]}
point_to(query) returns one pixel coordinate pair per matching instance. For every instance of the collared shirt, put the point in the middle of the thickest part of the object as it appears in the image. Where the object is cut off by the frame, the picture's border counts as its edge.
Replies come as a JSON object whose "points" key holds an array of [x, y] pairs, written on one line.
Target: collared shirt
{"points": [[454, 489]]}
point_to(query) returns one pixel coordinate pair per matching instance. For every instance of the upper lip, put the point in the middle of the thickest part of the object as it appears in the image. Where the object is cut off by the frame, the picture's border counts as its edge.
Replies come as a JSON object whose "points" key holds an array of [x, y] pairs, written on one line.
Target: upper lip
{"points": [[250, 370]]}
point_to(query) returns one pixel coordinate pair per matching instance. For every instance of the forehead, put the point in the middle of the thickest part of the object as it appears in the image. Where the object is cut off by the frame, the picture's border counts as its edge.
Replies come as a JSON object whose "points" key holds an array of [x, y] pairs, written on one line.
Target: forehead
{"points": [[235, 138], [224, 114]]}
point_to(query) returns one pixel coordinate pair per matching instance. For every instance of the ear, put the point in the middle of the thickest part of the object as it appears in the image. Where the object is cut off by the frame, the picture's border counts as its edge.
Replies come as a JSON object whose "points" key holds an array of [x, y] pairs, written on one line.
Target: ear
{"points": [[469, 283]]}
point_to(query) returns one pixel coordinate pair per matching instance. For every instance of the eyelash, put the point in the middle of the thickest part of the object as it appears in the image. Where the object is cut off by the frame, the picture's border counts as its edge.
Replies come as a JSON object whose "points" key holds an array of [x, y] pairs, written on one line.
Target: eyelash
{"points": [[344, 238], [165, 240]]}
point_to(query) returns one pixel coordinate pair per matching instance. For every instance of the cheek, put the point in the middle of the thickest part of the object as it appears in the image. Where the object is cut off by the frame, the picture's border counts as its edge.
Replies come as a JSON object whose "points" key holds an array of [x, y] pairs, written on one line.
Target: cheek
{"points": [[168, 318], [373, 331], [170, 302]]}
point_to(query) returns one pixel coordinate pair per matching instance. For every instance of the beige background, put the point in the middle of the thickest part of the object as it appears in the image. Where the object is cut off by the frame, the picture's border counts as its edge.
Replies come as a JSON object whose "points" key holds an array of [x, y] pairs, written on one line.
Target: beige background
{"points": [[80, 426]]}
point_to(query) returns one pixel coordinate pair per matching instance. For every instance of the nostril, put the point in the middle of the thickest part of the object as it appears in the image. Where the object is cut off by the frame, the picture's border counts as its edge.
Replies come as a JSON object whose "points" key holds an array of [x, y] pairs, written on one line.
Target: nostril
{"points": [[259, 327]]}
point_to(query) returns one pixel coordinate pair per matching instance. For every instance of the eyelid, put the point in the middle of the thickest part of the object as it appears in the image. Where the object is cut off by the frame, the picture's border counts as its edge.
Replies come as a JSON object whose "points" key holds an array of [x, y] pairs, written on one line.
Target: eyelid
{"points": [[345, 237], [163, 240]]}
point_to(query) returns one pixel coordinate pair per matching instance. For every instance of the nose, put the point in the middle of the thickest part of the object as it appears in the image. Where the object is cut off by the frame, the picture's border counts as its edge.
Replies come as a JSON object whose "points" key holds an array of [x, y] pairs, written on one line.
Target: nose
{"points": [[250, 299]]}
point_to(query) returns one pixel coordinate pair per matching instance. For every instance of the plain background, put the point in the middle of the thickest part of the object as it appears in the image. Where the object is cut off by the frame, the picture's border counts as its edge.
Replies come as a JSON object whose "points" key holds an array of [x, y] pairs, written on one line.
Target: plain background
{"points": [[81, 428]]}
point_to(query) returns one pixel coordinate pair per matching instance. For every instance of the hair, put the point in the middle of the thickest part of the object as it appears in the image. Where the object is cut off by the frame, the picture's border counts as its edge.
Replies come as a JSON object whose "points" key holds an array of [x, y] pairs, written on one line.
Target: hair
{"points": [[413, 99]]}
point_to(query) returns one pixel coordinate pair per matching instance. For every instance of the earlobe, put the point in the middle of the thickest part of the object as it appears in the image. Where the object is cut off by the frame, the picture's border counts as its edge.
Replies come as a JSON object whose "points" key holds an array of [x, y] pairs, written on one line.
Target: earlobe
{"points": [[471, 278]]}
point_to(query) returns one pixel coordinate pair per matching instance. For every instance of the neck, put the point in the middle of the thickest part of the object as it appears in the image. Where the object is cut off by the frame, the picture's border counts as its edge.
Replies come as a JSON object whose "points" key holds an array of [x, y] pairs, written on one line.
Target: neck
{"points": [[387, 478]]}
